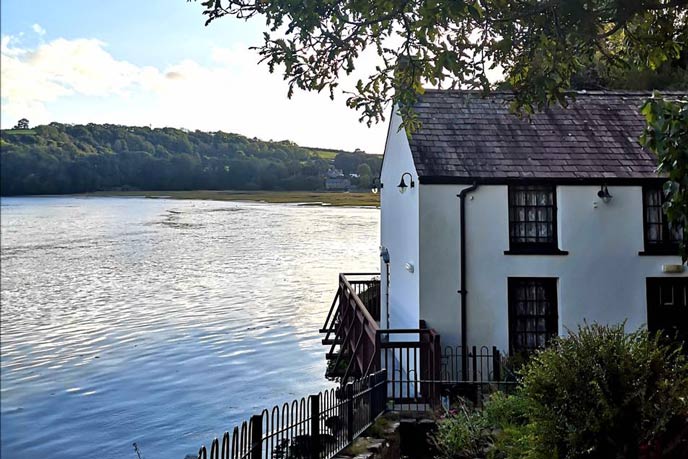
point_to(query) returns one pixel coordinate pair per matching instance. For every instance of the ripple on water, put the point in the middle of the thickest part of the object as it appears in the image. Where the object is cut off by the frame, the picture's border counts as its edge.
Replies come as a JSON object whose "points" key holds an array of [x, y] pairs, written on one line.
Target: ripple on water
{"points": [[162, 322]]}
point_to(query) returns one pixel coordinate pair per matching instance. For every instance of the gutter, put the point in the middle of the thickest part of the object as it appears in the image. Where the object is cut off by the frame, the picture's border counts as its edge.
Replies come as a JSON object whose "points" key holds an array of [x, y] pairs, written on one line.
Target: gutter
{"points": [[462, 280], [582, 181]]}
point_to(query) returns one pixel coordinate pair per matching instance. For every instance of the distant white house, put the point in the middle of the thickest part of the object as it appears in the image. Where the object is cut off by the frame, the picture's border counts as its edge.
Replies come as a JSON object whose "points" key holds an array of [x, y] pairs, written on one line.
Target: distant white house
{"points": [[503, 231], [333, 172], [337, 184], [335, 180]]}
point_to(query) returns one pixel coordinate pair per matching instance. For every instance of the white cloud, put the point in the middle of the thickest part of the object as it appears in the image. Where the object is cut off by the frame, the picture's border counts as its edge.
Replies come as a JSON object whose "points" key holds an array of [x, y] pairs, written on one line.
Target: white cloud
{"points": [[38, 29], [232, 94], [63, 67]]}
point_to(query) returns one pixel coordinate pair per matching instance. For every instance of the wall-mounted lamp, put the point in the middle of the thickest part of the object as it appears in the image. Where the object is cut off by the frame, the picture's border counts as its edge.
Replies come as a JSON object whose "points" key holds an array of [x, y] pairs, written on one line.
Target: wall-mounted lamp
{"points": [[376, 186], [604, 194], [384, 253], [402, 184]]}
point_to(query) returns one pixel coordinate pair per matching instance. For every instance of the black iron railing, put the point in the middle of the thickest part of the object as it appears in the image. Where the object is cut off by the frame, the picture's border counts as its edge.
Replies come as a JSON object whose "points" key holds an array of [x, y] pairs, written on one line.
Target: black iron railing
{"points": [[316, 427], [483, 364], [421, 379], [411, 358], [419, 371]]}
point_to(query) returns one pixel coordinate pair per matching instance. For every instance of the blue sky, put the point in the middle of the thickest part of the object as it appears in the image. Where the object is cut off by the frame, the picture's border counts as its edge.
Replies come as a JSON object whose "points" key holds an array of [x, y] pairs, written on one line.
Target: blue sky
{"points": [[154, 62]]}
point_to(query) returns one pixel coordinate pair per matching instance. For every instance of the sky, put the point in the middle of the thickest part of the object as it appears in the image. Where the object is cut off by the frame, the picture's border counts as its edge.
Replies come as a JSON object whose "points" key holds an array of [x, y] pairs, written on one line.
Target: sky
{"points": [[155, 63]]}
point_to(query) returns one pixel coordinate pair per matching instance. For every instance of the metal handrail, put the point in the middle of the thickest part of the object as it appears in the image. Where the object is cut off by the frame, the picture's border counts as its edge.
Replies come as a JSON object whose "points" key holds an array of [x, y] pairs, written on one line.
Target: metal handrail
{"points": [[357, 300]]}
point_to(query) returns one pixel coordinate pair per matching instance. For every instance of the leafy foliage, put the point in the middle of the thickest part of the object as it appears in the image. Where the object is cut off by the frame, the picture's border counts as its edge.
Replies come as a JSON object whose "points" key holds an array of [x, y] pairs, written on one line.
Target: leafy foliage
{"points": [[666, 135], [543, 48], [464, 433], [539, 45], [601, 392], [598, 393], [60, 158], [502, 429]]}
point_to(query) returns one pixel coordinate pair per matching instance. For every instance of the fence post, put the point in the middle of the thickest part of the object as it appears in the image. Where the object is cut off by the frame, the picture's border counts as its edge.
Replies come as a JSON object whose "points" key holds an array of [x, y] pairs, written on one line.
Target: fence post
{"points": [[475, 364], [372, 397], [378, 343], [256, 437], [496, 364], [383, 391], [437, 367], [349, 392], [315, 427]]}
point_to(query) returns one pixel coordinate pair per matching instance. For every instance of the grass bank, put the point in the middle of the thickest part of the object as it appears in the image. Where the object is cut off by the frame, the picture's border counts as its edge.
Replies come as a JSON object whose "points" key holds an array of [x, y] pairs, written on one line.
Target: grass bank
{"points": [[306, 197]]}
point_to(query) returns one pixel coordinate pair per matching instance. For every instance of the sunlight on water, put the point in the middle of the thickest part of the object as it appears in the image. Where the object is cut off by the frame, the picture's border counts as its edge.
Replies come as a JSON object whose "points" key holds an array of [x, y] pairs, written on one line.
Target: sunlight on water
{"points": [[162, 322]]}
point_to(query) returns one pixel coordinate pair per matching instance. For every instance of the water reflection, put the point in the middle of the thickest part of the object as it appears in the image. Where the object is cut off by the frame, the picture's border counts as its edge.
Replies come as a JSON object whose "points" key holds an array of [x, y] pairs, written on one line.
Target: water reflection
{"points": [[161, 321]]}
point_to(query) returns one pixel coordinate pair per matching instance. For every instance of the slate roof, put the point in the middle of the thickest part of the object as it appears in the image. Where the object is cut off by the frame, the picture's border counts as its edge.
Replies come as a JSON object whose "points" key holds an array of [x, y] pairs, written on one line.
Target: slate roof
{"points": [[465, 137]]}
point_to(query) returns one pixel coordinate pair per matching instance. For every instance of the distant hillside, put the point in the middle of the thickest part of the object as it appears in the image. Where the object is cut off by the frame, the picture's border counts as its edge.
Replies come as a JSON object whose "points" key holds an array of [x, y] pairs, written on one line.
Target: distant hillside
{"points": [[60, 158]]}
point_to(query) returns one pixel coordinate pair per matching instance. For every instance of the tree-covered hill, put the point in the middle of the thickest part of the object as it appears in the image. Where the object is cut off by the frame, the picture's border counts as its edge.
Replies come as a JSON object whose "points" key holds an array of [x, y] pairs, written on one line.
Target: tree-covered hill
{"points": [[60, 158]]}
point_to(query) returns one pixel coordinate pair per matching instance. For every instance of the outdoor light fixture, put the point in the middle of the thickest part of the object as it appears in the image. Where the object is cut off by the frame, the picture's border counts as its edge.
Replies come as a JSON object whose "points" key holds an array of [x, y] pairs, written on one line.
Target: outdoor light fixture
{"points": [[376, 186], [402, 184], [384, 253], [604, 194]]}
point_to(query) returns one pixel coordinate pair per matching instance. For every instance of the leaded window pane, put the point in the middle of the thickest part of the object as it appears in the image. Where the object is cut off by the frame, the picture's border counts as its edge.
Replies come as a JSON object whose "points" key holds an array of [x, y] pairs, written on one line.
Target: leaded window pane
{"points": [[532, 215], [532, 313], [658, 232]]}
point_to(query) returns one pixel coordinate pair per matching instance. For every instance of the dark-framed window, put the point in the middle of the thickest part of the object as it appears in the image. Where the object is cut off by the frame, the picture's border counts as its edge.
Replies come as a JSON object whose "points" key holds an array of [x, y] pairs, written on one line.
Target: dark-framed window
{"points": [[667, 307], [660, 238], [533, 220], [533, 316]]}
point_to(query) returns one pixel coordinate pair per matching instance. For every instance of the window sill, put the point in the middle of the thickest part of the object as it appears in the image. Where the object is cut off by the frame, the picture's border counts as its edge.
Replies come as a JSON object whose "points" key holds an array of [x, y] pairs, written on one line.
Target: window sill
{"points": [[535, 251], [659, 252]]}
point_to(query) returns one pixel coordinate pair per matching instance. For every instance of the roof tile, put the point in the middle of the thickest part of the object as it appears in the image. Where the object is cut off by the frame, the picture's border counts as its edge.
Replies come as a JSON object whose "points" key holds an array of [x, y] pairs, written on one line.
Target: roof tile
{"points": [[466, 135]]}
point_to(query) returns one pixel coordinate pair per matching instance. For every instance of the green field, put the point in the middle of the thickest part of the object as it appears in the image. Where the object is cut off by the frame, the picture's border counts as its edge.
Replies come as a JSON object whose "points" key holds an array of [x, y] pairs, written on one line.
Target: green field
{"points": [[305, 197], [325, 154]]}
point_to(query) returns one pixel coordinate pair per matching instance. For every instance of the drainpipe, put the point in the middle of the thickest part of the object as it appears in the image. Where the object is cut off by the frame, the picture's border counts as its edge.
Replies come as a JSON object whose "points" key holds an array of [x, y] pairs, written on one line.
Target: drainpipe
{"points": [[462, 280], [384, 254]]}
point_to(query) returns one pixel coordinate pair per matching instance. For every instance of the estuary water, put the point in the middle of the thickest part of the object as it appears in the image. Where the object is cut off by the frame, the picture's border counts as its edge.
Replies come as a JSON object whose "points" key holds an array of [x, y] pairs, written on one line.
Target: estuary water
{"points": [[162, 322]]}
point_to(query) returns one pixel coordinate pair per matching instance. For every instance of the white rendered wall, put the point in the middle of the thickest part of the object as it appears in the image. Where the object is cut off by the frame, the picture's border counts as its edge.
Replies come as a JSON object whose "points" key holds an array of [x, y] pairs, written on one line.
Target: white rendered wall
{"points": [[602, 279], [399, 232], [439, 256]]}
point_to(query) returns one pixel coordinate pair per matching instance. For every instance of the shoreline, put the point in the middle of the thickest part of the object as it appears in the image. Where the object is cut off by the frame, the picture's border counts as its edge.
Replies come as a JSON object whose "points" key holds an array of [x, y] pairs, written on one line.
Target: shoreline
{"points": [[326, 198]]}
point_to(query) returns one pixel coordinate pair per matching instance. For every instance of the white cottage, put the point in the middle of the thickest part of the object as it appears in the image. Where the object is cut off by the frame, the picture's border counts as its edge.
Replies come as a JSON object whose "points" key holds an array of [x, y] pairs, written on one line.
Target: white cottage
{"points": [[500, 231]]}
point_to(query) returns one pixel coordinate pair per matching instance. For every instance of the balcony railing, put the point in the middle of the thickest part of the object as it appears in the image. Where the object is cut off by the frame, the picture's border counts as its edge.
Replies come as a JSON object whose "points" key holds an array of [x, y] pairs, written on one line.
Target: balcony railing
{"points": [[419, 371], [351, 329], [358, 346]]}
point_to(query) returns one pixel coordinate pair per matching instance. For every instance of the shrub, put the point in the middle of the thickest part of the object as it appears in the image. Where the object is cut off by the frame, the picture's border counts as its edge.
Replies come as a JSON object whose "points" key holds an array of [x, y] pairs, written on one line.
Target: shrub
{"points": [[601, 393], [597, 393], [501, 430], [464, 433], [505, 410], [516, 435]]}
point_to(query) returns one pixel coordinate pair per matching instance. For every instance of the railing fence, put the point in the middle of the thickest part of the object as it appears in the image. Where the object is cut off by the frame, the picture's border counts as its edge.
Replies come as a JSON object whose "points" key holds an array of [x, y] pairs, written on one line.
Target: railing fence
{"points": [[482, 364], [419, 370], [368, 291], [351, 327], [316, 427], [402, 369], [420, 377]]}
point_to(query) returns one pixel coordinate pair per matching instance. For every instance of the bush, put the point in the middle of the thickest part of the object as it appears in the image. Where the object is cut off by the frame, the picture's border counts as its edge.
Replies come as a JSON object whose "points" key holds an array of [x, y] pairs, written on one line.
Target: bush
{"points": [[503, 410], [464, 433], [601, 393], [501, 430], [598, 393]]}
